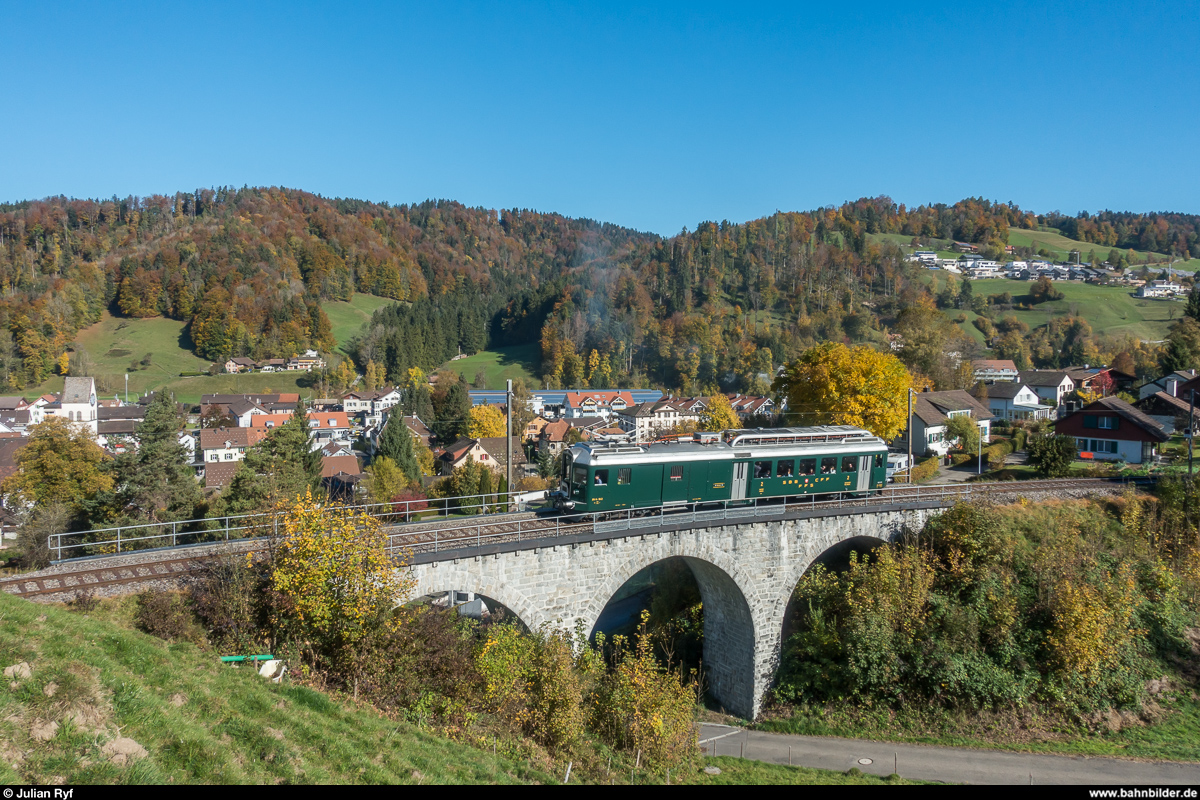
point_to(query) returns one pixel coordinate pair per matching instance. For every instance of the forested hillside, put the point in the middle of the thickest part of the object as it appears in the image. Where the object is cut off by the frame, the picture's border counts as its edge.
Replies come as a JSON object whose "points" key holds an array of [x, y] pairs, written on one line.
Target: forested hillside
{"points": [[719, 306]]}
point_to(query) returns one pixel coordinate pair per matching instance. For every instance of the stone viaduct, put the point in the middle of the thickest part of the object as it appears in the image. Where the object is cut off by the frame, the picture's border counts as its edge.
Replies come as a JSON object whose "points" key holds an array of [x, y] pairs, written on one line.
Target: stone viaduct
{"points": [[746, 571]]}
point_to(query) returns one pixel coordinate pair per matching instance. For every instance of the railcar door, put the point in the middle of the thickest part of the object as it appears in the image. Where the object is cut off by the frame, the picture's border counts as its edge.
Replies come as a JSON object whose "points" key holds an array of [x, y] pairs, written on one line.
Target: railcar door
{"points": [[864, 473], [675, 484], [739, 480]]}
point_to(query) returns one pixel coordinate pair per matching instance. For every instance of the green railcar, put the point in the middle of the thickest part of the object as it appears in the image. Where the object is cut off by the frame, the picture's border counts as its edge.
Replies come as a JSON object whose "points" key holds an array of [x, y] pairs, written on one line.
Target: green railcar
{"points": [[738, 466]]}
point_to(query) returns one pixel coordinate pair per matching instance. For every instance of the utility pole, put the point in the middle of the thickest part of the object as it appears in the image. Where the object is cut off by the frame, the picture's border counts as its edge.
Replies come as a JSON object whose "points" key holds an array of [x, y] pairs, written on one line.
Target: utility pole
{"points": [[127, 388], [1187, 503], [979, 458], [910, 435], [508, 400]]}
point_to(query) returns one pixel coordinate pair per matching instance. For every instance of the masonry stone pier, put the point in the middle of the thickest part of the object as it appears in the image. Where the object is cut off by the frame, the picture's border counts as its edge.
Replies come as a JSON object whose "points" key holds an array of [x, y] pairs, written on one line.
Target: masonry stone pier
{"points": [[746, 573]]}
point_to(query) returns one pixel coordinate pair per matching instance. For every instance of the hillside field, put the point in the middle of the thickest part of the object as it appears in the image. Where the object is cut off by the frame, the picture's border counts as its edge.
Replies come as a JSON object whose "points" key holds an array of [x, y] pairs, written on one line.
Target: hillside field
{"points": [[515, 361], [347, 318], [1108, 309]]}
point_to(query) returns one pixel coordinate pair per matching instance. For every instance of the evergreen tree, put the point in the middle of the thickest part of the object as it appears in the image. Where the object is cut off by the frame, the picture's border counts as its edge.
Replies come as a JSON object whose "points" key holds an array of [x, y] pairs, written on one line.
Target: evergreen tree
{"points": [[280, 467], [156, 482], [1193, 303], [452, 417], [396, 443]]}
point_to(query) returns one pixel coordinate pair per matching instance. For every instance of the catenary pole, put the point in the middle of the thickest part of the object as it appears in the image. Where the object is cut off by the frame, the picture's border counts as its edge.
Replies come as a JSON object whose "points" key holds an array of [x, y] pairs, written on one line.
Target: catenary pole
{"points": [[910, 435], [508, 401]]}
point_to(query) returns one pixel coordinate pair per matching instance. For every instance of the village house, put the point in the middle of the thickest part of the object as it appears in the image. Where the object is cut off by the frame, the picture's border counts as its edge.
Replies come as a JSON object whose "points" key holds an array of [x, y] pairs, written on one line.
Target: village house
{"points": [[1013, 400], [645, 421], [1050, 385], [330, 426], [747, 406], [932, 411], [240, 364], [228, 444], [599, 403], [1168, 383], [1112, 430], [1161, 289], [1170, 412], [994, 369], [488, 452], [553, 436], [306, 363]]}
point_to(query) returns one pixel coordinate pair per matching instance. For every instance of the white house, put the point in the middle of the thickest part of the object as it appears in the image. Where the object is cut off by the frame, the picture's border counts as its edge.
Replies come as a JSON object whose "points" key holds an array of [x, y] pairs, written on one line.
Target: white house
{"points": [[1015, 400], [994, 369], [1167, 383], [227, 444], [593, 404], [932, 411], [646, 420], [1049, 384], [1160, 289]]}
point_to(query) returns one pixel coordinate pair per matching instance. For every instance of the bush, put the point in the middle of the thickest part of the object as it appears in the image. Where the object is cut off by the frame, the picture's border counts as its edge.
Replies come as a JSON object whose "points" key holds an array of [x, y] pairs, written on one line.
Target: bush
{"points": [[33, 537], [924, 470], [167, 615], [232, 601], [643, 707]]}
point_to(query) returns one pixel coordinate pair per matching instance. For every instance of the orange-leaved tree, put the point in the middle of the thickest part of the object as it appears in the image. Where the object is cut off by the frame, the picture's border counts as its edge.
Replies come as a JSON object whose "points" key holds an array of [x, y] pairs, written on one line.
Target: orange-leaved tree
{"points": [[832, 384]]}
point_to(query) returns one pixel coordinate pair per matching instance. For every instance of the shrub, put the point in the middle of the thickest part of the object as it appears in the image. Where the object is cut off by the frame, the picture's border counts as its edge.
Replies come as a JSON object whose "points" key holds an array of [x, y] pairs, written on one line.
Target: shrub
{"points": [[538, 681], [924, 470], [166, 615], [641, 706], [231, 599], [34, 536]]}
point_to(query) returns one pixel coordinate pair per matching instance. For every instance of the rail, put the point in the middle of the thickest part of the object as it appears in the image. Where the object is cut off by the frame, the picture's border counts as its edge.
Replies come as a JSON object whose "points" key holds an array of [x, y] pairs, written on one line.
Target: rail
{"points": [[123, 539], [414, 533]]}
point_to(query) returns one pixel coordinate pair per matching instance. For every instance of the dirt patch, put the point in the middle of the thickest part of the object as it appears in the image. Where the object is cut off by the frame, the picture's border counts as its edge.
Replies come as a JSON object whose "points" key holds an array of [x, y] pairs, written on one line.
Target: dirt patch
{"points": [[50, 689], [177, 700], [86, 716], [123, 751], [18, 671], [43, 731], [274, 733]]}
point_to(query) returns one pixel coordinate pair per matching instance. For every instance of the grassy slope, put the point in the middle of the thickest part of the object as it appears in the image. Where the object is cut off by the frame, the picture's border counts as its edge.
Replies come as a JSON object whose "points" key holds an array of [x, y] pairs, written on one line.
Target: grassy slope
{"points": [[113, 342], [517, 361], [1108, 309], [200, 722], [347, 318]]}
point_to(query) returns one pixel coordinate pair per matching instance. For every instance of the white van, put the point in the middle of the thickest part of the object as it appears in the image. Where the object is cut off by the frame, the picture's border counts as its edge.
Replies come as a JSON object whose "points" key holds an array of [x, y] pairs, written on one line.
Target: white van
{"points": [[896, 462]]}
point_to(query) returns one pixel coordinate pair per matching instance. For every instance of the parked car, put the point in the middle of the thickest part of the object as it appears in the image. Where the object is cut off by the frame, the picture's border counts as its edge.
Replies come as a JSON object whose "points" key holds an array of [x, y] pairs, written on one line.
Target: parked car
{"points": [[896, 462]]}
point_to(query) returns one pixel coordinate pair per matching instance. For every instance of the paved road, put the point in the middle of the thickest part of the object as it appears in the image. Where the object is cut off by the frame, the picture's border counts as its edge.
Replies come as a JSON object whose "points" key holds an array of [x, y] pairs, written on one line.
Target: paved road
{"points": [[947, 764]]}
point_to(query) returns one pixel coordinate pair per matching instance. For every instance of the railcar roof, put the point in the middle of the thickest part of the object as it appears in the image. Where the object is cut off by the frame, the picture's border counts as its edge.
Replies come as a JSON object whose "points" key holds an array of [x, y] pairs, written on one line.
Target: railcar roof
{"points": [[847, 440]]}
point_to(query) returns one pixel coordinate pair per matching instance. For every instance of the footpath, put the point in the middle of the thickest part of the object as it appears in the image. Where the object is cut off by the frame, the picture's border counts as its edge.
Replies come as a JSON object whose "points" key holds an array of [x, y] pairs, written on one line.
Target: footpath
{"points": [[944, 764]]}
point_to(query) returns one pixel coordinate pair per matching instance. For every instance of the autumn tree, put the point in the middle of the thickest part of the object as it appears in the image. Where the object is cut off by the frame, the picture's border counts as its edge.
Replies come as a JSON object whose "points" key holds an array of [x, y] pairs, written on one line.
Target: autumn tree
{"points": [[963, 429], [486, 421], [333, 566], [385, 480], [839, 385], [61, 463], [719, 415]]}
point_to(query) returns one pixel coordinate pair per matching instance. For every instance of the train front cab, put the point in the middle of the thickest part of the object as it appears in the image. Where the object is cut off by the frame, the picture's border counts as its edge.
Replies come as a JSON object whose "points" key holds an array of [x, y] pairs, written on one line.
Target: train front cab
{"points": [[790, 476]]}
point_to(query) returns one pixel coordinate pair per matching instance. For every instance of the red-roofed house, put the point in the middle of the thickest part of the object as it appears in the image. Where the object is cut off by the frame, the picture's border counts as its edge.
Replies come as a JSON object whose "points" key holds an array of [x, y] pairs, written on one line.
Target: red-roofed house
{"points": [[599, 403], [323, 427]]}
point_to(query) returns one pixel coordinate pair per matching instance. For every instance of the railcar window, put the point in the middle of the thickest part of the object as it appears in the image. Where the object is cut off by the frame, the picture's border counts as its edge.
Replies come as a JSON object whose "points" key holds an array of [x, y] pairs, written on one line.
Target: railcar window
{"points": [[580, 475], [786, 468], [849, 463], [878, 460], [677, 473], [808, 466], [601, 477], [762, 469], [623, 476], [829, 465]]}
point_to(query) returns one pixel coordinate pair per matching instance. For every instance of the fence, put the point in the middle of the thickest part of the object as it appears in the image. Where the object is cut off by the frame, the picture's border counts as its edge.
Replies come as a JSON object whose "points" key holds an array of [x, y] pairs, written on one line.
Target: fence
{"points": [[420, 531], [155, 535]]}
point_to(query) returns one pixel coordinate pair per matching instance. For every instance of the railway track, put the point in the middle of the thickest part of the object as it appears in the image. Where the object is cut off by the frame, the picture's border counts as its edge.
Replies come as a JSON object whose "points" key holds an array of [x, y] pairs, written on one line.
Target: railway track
{"points": [[102, 573]]}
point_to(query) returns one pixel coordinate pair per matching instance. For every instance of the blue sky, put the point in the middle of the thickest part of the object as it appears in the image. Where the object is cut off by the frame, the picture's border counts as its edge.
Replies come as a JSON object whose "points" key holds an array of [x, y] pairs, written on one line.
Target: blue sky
{"points": [[656, 118]]}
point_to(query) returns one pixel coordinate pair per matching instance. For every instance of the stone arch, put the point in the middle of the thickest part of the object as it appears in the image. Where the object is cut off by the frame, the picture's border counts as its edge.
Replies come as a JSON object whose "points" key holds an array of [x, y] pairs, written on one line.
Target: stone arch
{"points": [[729, 625], [435, 578]]}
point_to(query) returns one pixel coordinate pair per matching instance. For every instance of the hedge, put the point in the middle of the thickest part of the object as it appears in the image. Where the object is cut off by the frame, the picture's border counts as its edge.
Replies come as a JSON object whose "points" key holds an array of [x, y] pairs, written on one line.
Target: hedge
{"points": [[924, 470]]}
